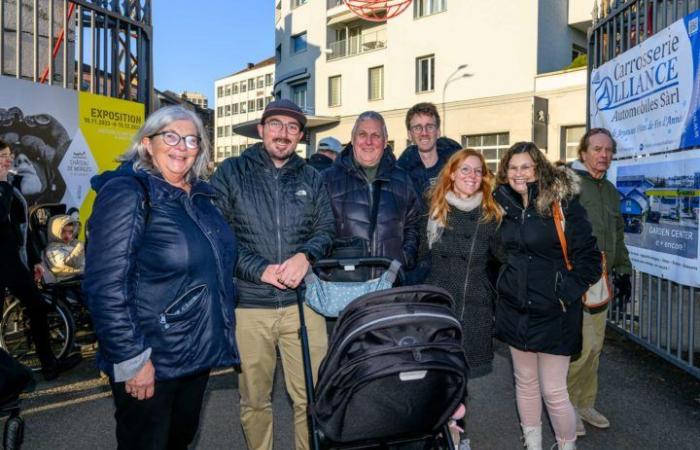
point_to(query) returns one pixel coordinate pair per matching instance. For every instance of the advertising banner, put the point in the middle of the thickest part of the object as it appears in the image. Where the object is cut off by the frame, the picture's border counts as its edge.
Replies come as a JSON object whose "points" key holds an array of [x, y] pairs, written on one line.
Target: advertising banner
{"points": [[660, 196], [649, 96], [61, 138]]}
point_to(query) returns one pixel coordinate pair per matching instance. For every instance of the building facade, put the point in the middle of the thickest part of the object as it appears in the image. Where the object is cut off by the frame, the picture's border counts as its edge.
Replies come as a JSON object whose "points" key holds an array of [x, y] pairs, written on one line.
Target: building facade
{"points": [[486, 65], [240, 97], [197, 98]]}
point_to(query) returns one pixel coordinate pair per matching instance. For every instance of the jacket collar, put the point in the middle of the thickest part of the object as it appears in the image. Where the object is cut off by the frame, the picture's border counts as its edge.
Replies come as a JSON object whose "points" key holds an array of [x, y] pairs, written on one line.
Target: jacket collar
{"points": [[581, 170], [258, 155], [410, 158], [386, 164]]}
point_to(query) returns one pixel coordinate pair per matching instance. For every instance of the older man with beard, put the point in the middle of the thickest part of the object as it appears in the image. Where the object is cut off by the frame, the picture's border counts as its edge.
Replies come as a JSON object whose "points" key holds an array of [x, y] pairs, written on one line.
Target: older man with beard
{"points": [[277, 206]]}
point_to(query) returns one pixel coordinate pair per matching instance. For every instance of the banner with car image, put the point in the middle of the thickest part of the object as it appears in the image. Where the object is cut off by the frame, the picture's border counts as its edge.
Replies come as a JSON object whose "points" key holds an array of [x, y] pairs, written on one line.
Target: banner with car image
{"points": [[61, 138], [660, 200], [649, 95]]}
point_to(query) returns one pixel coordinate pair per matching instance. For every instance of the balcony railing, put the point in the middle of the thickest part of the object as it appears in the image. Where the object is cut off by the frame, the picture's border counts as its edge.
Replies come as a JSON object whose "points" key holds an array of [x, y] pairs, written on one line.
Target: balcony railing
{"points": [[333, 3], [355, 45]]}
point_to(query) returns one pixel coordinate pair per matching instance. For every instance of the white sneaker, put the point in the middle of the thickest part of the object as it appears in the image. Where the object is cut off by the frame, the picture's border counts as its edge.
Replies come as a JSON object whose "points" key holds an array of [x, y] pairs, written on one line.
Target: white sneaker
{"points": [[580, 428], [593, 417]]}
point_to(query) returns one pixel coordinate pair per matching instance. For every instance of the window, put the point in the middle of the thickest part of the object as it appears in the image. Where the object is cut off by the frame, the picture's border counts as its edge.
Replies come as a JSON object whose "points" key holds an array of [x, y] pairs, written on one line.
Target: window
{"points": [[334, 91], [299, 95], [243, 108], [268, 100], [422, 8], [425, 73], [219, 111], [235, 89], [376, 83], [227, 110], [570, 138], [234, 108], [298, 3], [220, 91], [251, 84], [219, 131], [261, 82], [299, 42], [278, 54], [268, 79], [260, 104], [228, 89], [492, 146], [251, 105]]}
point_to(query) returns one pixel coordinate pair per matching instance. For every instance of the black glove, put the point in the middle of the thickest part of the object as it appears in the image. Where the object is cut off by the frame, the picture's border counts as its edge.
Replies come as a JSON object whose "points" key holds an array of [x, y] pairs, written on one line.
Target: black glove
{"points": [[623, 289]]}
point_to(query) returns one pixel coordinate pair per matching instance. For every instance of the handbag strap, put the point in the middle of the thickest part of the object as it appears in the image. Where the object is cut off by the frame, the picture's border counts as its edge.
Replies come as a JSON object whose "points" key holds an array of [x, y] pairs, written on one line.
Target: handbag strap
{"points": [[469, 269], [559, 224]]}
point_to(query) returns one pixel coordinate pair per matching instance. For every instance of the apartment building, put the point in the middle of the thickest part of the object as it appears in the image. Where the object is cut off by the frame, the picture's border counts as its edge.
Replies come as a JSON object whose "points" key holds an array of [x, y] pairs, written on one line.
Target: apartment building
{"points": [[498, 70], [197, 98], [241, 97]]}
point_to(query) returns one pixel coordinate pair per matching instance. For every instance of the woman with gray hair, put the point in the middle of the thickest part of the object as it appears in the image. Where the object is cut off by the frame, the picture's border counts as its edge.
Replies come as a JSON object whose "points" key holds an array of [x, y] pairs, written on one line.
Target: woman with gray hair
{"points": [[158, 282]]}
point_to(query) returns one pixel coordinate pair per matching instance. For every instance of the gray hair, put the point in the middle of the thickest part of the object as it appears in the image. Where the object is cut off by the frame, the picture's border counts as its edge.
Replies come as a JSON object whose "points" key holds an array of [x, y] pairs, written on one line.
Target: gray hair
{"points": [[155, 123], [370, 115]]}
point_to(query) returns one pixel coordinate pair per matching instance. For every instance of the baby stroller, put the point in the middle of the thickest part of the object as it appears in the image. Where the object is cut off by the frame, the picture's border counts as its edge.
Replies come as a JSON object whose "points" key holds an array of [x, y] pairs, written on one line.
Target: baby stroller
{"points": [[394, 373], [14, 379]]}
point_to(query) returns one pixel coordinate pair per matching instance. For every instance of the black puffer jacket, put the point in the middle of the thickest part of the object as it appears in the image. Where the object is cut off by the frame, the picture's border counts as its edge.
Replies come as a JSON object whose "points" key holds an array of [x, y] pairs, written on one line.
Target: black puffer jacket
{"points": [[424, 178], [275, 214], [396, 232], [539, 306]]}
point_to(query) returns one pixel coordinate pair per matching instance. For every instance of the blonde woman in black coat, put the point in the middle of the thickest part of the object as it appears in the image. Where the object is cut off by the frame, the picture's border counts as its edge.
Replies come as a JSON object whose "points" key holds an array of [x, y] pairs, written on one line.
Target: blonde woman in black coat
{"points": [[539, 311]]}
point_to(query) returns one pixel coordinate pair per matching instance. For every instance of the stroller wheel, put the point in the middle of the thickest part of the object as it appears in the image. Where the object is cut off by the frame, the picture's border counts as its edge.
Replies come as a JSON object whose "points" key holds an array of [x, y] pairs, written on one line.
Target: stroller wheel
{"points": [[14, 433]]}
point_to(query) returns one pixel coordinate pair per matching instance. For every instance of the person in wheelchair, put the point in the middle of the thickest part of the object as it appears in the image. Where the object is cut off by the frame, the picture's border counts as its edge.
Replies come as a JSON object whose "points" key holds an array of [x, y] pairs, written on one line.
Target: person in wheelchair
{"points": [[65, 254], [20, 268]]}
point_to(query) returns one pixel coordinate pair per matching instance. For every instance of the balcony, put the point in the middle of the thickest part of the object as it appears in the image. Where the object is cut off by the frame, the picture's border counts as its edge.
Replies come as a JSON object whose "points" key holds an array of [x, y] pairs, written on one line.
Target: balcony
{"points": [[330, 4], [355, 45]]}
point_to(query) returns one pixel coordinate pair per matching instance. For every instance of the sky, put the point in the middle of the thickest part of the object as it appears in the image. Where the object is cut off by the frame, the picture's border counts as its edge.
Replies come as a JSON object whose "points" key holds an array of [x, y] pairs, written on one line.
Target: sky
{"points": [[197, 42]]}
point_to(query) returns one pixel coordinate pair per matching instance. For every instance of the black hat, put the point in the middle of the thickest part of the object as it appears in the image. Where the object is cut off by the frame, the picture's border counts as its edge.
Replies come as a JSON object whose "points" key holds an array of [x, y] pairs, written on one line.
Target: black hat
{"points": [[284, 107]]}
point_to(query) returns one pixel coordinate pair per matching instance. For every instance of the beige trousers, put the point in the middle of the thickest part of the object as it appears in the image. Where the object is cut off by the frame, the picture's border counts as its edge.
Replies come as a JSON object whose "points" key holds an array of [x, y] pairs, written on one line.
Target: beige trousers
{"points": [[583, 372], [258, 332]]}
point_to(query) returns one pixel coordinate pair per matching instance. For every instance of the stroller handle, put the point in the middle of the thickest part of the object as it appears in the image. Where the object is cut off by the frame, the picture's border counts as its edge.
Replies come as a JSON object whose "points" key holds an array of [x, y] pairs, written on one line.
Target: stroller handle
{"points": [[333, 263]]}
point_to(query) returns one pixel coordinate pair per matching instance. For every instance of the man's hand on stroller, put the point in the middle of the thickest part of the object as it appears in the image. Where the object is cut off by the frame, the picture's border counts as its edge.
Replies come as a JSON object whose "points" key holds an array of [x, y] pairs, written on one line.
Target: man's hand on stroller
{"points": [[292, 272], [38, 272]]}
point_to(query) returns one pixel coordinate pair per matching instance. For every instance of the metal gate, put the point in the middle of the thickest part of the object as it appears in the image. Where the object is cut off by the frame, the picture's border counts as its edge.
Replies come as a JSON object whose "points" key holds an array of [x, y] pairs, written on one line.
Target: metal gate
{"points": [[662, 315], [99, 46]]}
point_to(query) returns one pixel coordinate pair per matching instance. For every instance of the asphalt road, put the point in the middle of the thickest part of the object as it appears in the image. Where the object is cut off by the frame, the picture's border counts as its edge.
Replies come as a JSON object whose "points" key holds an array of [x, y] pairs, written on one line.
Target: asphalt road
{"points": [[651, 404]]}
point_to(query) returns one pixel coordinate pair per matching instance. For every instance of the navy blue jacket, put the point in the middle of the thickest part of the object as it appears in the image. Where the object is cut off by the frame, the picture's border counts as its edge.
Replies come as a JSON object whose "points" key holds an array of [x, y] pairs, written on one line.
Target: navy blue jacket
{"points": [[396, 233], [424, 178], [158, 275]]}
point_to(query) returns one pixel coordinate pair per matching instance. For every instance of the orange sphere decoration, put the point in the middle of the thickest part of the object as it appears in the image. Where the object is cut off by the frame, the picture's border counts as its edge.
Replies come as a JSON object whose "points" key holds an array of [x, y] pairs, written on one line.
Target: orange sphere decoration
{"points": [[377, 10]]}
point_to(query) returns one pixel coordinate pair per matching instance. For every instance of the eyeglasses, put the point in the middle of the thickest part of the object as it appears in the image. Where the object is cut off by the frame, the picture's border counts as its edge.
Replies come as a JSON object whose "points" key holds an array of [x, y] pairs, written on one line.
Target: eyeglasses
{"points": [[275, 125], [8, 156], [171, 138], [523, 168], [430, 128], [468, 170]]}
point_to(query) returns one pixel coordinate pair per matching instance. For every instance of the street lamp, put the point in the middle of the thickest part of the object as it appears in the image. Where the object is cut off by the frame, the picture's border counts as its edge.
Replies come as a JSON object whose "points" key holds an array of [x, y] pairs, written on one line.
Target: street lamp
{"points": [[449, 80]]}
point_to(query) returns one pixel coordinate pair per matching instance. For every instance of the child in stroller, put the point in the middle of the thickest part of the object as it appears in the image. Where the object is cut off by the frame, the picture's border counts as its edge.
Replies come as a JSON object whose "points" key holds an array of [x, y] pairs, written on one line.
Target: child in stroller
{"points": [[65, 254]]}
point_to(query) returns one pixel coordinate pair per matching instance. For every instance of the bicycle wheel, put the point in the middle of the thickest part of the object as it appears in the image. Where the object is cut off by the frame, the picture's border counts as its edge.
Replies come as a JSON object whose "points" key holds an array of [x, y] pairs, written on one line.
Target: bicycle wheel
{"points": [[16, 339]]}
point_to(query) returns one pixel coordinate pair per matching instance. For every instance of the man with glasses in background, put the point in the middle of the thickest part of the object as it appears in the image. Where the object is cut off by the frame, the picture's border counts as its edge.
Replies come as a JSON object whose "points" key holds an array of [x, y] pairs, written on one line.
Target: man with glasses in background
{"points": [[424, 160], [280, 211]]}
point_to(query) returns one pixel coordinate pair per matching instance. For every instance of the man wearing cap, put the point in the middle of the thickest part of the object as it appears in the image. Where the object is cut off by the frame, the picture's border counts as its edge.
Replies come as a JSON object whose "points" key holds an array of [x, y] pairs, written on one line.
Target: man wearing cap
{"points": [[280, 211], [328, 149]]}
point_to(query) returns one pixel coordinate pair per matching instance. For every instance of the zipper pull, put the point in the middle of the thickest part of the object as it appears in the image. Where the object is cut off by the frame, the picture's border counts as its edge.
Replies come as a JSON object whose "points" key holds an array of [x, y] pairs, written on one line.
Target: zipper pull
{"points": [[563, 306]]}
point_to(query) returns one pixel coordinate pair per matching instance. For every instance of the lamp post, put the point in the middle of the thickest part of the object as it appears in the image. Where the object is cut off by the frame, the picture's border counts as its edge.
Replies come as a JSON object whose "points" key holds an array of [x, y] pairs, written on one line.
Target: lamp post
{"points": [[449, 80]]}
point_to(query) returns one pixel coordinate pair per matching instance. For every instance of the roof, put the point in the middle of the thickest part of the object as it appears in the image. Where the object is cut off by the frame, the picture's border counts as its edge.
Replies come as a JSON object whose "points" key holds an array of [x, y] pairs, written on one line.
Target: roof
{"points": [[263, 63]]}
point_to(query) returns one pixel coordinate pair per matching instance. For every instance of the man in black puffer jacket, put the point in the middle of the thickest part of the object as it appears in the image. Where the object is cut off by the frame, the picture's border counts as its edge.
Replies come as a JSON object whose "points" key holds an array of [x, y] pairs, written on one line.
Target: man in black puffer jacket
{"points": [[365, 166], [280, 212]]}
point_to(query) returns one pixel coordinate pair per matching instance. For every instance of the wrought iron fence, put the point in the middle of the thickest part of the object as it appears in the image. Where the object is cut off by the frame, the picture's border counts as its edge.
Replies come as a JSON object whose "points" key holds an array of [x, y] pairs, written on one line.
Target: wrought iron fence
{"points": [[99, 46], [662, 315]]}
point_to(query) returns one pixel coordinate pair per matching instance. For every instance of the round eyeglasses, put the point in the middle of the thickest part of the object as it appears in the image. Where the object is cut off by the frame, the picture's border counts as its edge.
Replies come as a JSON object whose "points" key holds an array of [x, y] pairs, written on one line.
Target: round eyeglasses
{"points": [[275, 125], [429, 127], [171, 138]]}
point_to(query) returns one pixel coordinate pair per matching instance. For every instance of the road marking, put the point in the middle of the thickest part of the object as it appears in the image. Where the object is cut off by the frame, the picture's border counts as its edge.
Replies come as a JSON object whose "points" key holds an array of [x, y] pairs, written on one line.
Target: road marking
{"points": [[89, 398]]}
